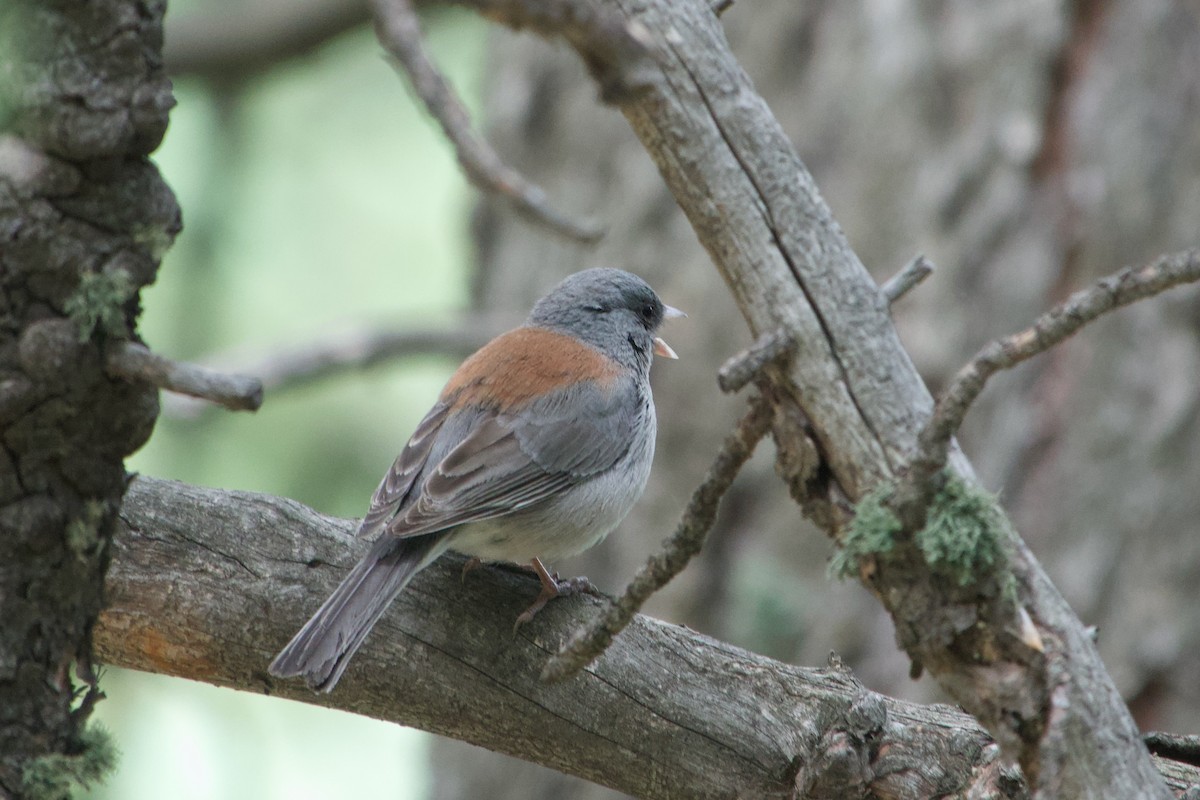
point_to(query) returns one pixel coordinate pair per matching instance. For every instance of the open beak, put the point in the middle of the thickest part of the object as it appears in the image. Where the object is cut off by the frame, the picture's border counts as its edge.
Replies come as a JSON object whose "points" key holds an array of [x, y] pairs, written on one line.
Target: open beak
{"points": [[661, 348]]}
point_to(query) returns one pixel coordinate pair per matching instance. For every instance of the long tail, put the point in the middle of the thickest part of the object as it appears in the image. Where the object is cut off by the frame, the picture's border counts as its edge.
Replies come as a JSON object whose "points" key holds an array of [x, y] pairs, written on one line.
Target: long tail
{"points": [[322, 649]]}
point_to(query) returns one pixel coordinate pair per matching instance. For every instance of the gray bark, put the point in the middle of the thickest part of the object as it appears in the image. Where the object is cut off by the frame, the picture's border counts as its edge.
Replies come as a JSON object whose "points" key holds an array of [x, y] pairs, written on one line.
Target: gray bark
{"points": [[980, 106], [774, 240], [84, 217], [206, 584]]}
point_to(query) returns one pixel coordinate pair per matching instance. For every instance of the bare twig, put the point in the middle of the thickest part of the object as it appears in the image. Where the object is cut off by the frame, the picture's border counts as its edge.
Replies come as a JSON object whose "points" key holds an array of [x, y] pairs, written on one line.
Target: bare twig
{"points": [[359, 349], [719, 7], [399, 32], [136, 362], [351, 350], [1121, 289], [742, 368], [588, 643], [907, 278]]}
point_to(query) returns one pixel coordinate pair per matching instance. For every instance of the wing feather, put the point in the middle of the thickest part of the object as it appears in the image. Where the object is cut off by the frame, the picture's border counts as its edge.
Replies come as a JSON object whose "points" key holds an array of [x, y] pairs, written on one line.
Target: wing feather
{"points": [[508, 462]]}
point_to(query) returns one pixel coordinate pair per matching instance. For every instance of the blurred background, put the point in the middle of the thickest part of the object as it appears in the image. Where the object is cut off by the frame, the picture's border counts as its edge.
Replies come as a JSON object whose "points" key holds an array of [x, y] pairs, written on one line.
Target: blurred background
{"points": [[1027, 148]]}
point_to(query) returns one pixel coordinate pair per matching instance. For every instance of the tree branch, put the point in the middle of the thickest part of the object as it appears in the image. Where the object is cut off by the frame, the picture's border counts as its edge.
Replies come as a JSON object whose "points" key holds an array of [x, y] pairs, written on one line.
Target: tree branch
{"points": [[136, 362], [213, 43], [205, 584], [399, 32], [619, 52], [907, 279], [1056, 325], [349, 350], [747, 365], [759, 214]]}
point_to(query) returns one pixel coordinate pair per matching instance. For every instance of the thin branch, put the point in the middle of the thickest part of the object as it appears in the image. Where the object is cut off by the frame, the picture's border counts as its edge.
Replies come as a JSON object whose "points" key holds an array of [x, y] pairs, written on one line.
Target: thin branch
{"points": [[363, 348], [588, 643], [351, 350], [210, 42], [719, 7], [136, 362], [744, 367], [399, 32], [1127, 286], [907, 278]]}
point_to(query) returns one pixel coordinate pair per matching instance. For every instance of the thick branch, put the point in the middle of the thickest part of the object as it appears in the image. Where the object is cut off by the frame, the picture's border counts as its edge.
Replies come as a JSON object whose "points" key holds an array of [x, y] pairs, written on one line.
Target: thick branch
{"points": [[757, 211], [206, 584]]}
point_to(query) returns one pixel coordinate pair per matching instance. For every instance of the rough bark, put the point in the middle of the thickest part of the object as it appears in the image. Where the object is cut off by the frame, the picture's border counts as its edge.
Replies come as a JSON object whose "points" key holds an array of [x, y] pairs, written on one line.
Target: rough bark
{"points": [[205, 584], [84, 217], [868, 448], [788, 264]]}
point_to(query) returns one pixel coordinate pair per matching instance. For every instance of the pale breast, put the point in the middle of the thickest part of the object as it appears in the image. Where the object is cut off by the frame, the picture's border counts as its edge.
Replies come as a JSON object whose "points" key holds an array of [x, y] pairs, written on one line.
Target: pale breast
{"points": [[572, 521]]}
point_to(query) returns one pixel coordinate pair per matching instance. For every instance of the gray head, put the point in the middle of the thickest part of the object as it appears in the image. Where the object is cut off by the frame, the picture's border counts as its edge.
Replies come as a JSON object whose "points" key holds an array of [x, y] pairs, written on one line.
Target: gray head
{"points": [[614, 311]]}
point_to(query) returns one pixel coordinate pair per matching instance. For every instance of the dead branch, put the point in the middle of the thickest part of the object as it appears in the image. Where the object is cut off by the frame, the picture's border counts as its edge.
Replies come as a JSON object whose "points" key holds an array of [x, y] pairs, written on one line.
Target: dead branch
{"points": [[1056, 325], [210, 42], [399, 32], [907, 279], [136, 362], [747, 365]]}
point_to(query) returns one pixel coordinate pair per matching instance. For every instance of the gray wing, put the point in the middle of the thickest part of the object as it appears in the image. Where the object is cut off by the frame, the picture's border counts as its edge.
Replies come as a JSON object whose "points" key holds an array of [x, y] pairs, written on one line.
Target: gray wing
{"points": [[496, 464], [396, 485]]}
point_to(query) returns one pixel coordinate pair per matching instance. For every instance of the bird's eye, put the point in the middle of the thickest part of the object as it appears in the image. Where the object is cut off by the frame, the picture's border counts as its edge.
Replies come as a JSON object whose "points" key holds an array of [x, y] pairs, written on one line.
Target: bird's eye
{"points": [[595, 309], [648, 311]]}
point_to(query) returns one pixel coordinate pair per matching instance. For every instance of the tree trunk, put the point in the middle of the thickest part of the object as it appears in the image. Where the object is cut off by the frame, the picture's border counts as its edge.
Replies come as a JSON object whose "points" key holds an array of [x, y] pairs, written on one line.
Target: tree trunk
{"points": [[84, 217]]}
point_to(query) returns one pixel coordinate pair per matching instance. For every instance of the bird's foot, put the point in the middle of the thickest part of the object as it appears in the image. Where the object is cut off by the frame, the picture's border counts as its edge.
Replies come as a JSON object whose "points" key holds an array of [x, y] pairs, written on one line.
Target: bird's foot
{"points": [[552, 587]]}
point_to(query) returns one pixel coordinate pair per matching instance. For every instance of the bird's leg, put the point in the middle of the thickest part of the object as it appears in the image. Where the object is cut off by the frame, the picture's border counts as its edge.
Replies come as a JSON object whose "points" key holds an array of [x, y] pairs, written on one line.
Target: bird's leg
{"points": [[552, 587], [472, 563]]}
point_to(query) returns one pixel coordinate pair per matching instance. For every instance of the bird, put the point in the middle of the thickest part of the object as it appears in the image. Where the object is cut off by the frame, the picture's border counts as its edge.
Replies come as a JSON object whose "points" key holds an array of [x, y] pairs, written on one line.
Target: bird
{"points": [[537, 447]]}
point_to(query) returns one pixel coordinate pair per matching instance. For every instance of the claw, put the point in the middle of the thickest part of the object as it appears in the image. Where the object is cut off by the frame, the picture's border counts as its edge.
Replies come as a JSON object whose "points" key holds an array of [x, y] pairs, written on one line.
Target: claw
{"points": [[552, 587]]}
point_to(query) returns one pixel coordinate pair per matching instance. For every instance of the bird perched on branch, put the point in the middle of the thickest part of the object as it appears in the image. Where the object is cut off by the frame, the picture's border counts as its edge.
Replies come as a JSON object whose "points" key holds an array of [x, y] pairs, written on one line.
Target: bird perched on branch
{"points": [[537, 448]]}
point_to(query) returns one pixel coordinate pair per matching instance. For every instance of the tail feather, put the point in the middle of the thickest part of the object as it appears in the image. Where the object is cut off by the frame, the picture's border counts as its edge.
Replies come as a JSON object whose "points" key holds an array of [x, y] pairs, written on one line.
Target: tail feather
{"points": [[322, 649]]}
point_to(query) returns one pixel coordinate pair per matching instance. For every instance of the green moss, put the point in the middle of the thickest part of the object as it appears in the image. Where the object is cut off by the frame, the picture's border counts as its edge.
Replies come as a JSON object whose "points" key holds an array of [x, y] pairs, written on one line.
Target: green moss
{"points": [[98, 303], [872, 531], [964, 532], [53, 777]]}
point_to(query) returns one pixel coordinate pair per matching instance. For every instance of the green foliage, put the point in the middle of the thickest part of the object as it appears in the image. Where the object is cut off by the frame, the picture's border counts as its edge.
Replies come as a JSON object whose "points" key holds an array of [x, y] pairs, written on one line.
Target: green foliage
{"points": [[98, 303], [964, 531], [873, 530], [53, 777]]}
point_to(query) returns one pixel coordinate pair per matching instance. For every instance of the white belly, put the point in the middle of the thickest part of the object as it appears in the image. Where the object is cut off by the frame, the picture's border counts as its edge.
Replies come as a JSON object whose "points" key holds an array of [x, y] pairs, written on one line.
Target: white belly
{"points": [[568, 523]]}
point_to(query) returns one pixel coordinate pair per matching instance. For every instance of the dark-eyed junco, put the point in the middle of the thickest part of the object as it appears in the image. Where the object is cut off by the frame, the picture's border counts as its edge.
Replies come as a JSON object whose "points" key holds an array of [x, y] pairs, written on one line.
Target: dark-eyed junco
{"points": [[537, 448]]}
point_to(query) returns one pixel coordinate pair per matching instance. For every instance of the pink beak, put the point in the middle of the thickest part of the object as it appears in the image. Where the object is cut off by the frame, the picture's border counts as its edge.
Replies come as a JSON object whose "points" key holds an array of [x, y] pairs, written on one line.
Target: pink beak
{"points": [[661, 348]]}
